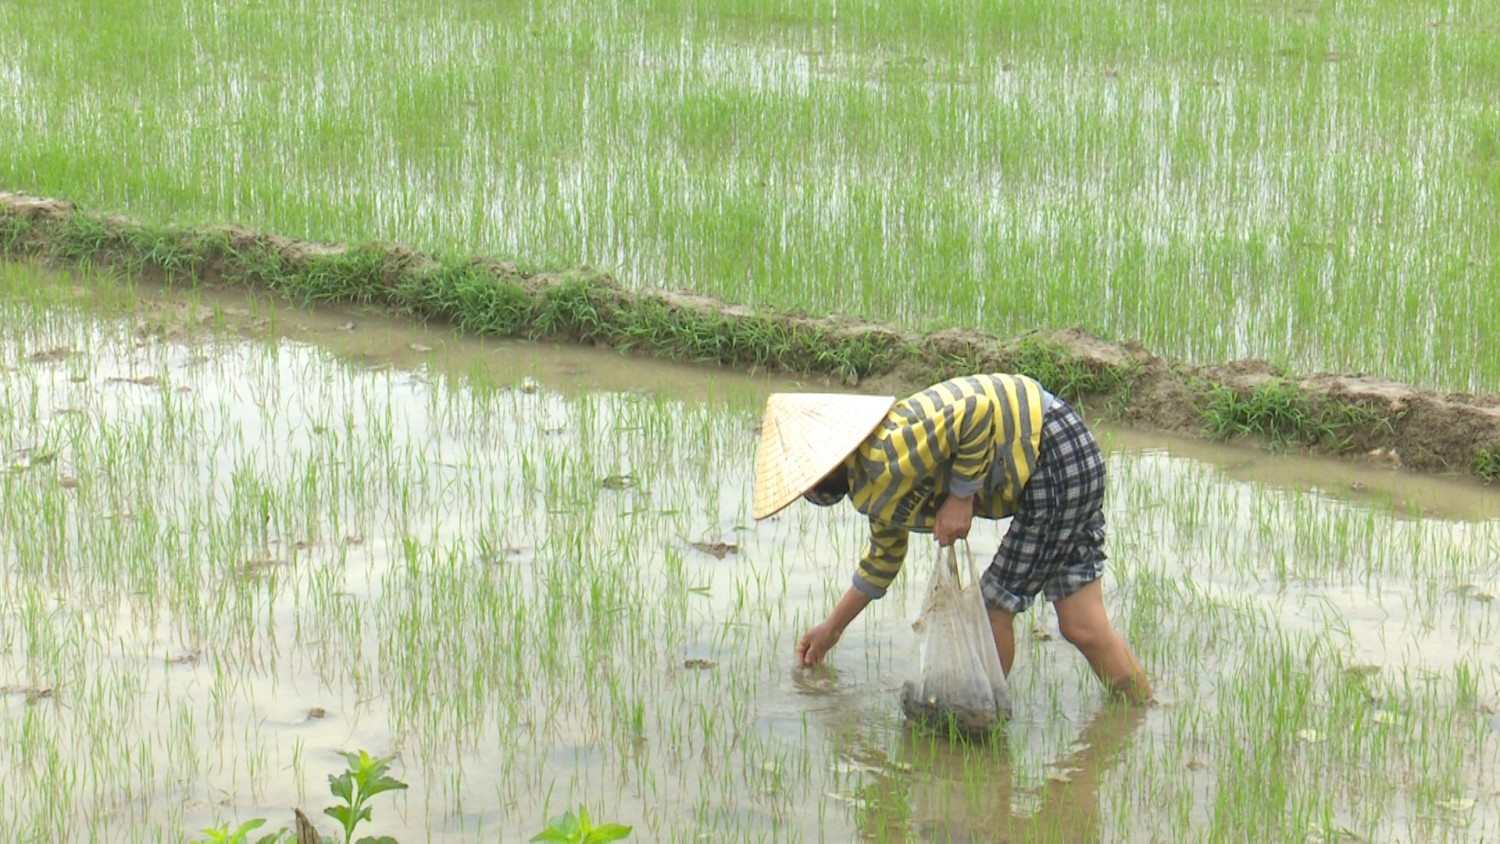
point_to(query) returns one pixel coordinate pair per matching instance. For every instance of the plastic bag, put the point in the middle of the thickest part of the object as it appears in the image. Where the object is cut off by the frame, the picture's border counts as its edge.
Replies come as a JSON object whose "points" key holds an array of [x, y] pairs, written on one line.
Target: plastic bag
{"points": [[961, 688]]}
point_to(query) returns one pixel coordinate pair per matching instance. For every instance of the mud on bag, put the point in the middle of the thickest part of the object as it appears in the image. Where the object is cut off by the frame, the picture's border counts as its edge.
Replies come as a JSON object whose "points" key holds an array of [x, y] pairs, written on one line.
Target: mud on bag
{"points": [[961, 688]]}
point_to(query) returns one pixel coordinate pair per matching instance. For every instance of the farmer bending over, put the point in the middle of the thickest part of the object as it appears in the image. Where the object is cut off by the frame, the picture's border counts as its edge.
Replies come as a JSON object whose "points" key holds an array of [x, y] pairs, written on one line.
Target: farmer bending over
{"points": [[987, 445]]}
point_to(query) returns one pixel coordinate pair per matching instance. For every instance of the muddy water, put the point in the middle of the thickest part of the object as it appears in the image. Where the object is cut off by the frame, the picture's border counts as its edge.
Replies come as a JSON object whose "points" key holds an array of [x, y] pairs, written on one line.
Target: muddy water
{"points": [[240, 538]]}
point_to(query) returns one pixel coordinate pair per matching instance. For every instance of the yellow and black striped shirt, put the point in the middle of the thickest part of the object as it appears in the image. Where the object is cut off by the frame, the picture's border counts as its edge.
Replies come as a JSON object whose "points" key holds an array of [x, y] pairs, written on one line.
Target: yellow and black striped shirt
{"points": [[977, 435]]}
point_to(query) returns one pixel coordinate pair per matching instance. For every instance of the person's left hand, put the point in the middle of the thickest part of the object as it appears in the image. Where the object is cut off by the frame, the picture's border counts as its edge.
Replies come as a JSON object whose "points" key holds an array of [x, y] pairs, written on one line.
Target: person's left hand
{"points": [[954, 518]]}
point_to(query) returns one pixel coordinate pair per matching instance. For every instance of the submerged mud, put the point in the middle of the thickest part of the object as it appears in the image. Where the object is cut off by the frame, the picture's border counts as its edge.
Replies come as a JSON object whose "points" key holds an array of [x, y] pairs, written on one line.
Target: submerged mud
{"points": [[1347, 414]]}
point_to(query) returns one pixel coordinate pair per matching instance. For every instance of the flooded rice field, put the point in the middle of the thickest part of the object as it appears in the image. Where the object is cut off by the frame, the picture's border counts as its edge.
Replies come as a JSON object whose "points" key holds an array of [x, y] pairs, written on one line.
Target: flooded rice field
{"points": [[239, 539]]}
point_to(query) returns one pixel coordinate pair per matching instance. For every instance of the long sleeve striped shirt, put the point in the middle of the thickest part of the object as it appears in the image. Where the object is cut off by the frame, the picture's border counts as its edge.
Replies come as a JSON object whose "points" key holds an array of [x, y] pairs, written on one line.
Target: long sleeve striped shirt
{"points": [[977, 435]]}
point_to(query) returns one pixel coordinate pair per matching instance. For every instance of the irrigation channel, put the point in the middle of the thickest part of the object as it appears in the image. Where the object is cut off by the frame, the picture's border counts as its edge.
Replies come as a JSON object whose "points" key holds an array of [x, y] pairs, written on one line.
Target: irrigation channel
{"points": [[238, 538]]}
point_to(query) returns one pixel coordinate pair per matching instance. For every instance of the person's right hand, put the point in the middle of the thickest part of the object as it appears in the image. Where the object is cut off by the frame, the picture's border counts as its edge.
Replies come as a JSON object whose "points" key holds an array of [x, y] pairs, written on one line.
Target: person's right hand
{"points": [[816, 643], [954, 518]]}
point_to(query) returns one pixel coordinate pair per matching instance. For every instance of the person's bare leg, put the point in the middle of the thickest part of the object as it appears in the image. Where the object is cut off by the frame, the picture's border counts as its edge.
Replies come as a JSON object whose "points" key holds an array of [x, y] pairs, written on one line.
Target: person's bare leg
{"points": [[1084, 622], [1002, 624]]}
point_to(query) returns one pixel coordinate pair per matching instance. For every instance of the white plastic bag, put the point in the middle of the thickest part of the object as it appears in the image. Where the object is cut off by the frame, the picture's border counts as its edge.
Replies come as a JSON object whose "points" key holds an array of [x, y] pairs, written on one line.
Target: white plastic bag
{"points": [[961, 688]]}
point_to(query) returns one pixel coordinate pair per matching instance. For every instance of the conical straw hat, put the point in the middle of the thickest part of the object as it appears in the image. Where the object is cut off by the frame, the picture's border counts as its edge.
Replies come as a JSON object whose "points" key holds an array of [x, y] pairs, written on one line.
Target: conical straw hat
{"points": [[805, 435]]}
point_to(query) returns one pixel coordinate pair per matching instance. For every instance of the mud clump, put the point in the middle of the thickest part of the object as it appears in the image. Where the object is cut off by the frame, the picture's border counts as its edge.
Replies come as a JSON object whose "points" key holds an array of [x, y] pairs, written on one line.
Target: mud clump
{"points": [[972, 721]]}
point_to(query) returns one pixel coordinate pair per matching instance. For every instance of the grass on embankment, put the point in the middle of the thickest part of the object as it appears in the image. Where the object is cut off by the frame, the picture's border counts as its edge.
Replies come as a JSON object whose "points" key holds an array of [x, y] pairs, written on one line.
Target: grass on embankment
{"points": [[482, 296], [1487, 463]]}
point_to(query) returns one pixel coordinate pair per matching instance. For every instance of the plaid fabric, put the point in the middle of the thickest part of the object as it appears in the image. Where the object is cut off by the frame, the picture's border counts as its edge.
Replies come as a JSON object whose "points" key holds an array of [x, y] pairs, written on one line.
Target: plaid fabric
{"points": [[1055, 544]]}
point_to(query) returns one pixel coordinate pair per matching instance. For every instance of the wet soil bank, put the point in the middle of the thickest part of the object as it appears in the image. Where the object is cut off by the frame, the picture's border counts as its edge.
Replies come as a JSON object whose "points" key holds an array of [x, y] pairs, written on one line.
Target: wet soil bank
{"points": [[1353, 415]]}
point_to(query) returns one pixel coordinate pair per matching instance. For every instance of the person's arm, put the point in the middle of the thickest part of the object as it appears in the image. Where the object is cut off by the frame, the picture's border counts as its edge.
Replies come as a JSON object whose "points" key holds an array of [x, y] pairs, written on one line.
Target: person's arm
{"points": [[973, 423], [820, 639], [881, 561], [877, 567]]}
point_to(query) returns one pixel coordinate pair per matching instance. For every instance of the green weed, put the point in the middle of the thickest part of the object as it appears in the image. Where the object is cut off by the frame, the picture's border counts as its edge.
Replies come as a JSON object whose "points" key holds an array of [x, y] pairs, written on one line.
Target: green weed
{"points": [[1052, 364], [349, 276], [162, 249], [1487, 464], [469, 296], [13, 231], [80, 240], [568, 828], [365, 777], [223, 834], [1282, 413], [1060, 371]]}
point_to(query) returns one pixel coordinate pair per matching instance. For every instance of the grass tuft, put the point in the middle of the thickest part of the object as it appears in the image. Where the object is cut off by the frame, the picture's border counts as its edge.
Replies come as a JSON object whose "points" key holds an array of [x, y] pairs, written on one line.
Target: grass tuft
{"points": [[162, 249], [469, 296], [1487, 463], [352, 276], [1282, 413], [80, 239], [1066, 375], [13, 232]]}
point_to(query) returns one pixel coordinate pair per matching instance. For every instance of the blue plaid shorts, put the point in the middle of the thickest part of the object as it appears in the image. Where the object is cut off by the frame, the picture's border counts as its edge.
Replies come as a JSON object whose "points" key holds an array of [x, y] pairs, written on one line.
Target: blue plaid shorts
{"points": [[1055, 544]]}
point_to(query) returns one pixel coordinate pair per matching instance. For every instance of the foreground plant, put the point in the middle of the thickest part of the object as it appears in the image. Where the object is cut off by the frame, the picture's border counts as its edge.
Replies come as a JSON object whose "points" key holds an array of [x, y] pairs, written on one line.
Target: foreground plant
{"points": [[569, 829], [364, 778], [222, 834]]}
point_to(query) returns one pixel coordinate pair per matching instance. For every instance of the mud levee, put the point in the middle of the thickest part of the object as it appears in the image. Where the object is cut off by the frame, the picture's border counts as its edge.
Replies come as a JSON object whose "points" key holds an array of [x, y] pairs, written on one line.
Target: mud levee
{"points": [[1343, 414]]}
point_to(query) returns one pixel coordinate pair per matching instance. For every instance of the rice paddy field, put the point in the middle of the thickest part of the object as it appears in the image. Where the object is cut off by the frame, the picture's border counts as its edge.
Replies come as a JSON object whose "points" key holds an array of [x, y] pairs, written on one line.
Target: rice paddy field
{"points": [[241, 537], [1313, 183]]}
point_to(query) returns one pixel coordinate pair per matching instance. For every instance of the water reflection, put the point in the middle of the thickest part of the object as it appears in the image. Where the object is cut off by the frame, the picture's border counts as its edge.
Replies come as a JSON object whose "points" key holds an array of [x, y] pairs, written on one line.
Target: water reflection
{"points": [[903, 783]]}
